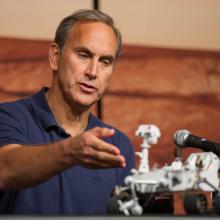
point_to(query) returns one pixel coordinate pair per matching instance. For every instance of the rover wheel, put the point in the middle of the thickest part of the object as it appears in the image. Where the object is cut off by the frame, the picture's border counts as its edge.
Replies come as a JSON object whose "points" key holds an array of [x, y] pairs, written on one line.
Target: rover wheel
{"points": [[195, 204], [113, 206], [217, 204]]}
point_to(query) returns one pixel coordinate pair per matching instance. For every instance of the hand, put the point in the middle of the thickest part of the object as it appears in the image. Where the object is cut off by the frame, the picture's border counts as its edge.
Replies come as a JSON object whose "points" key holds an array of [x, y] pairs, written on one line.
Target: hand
{"points": [[89, 150]]}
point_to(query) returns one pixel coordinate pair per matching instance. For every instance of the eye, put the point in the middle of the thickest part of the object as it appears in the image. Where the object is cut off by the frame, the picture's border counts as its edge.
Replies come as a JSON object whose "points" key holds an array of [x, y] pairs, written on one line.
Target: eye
{"points": [[83, 55], [106, 62]]}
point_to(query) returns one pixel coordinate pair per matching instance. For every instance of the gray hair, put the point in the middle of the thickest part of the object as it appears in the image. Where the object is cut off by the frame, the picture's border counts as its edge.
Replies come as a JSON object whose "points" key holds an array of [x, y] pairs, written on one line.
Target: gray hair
{"points": [[86, 15]]}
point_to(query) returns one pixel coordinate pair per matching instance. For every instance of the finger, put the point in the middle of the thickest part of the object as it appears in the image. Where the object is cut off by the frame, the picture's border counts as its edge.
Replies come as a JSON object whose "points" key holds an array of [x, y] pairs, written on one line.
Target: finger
{"points": [[108, 159], [93, 163], [100, 145], [103, 132]]}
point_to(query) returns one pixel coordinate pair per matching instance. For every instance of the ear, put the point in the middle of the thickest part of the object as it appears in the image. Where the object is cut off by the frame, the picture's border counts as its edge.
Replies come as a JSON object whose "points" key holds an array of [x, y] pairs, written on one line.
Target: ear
{"points": [[54, 53]]}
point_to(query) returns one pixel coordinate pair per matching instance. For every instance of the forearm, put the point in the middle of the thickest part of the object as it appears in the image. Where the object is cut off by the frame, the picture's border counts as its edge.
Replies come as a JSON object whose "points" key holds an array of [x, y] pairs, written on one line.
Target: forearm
{"points": [[26, 166]]}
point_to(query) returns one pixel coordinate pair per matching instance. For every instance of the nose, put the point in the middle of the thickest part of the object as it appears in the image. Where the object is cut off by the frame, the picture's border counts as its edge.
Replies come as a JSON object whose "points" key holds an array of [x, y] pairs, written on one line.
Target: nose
{"points": [[92, 69]]}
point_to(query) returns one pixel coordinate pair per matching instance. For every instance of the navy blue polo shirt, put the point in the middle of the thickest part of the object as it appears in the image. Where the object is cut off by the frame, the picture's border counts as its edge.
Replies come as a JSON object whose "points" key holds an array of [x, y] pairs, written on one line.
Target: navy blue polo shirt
{"points": [[75, 191]]}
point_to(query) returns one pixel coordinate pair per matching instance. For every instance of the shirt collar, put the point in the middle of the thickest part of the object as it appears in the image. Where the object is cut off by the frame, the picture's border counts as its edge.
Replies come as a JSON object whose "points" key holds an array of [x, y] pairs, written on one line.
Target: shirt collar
{"points": [[45, 116], [42, 110]]}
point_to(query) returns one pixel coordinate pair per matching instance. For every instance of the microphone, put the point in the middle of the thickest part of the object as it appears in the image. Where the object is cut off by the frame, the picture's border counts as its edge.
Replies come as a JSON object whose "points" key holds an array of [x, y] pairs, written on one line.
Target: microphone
{"points": [[183, 138]]}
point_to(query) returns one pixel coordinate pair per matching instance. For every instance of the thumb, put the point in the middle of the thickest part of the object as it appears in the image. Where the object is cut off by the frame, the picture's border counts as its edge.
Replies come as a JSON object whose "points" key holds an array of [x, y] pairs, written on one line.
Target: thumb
{"points": [[103, 132]]}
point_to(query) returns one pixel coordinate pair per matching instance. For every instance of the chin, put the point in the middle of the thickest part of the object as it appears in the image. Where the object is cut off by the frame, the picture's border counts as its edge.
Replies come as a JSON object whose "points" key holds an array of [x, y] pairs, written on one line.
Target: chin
{"points": [[87, 102]]}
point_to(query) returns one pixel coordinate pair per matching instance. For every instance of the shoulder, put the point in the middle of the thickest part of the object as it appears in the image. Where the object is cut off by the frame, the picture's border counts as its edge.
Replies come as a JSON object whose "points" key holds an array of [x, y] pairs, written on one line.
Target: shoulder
{"points": [[24, 105], [15, 109], [13, 122], [15, 115]]}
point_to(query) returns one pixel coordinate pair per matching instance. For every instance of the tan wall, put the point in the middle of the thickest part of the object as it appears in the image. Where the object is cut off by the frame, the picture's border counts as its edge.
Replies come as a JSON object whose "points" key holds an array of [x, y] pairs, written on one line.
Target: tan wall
{"points": [[166, 23], [35, 19], [169, 23]]}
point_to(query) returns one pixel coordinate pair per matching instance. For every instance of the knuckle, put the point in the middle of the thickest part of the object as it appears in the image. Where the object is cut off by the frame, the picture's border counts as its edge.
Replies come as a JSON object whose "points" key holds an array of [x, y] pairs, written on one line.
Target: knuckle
{"points": [[98, 156], [86, 152], [85, 140], [86, 160]]}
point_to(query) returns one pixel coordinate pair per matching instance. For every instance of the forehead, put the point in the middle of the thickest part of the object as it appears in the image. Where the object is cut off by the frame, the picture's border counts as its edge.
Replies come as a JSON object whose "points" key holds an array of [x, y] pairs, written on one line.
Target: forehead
{"points": [[94, 35]]}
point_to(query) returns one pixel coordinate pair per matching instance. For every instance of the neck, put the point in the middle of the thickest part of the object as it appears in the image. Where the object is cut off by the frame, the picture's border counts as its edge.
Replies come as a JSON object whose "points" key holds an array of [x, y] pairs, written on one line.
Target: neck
{"points": [[72, 119]]}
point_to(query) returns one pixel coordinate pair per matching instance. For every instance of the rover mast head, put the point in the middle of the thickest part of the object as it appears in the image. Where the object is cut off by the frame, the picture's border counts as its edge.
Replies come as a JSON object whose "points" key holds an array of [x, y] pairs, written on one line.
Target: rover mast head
{"points": [[149, 132]]}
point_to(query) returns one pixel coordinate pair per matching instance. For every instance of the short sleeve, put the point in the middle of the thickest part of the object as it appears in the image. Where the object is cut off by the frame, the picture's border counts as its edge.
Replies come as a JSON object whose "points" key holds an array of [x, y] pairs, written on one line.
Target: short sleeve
{"points": [[11, 125]]}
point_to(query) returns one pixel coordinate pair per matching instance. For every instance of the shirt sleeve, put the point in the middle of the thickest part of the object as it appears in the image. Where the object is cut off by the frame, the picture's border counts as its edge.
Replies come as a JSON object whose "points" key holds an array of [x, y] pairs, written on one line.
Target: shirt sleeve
{"points": [[11, 125]]}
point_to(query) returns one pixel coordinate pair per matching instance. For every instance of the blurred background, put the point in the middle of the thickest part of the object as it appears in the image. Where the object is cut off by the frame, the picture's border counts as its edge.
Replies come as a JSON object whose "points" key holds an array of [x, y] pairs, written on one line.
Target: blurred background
{"points": [[168, 74]]}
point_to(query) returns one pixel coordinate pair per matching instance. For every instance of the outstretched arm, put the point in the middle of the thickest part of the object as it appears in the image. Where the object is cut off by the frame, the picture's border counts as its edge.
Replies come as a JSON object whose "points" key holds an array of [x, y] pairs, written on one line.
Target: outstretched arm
{"points": [[25, 166]]}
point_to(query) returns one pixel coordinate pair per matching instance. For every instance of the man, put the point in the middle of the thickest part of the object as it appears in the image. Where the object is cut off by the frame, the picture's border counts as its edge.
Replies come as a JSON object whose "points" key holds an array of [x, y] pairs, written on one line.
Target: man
{"points": [[55, 156]]}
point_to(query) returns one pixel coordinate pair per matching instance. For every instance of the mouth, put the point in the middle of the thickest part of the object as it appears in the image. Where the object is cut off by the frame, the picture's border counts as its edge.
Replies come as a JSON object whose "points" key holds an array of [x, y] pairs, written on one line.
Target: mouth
{"points": [[87, 88]]}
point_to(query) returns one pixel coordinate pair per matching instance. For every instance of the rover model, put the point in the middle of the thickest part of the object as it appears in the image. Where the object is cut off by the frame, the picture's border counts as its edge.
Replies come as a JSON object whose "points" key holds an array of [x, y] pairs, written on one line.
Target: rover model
{"points": [[148, 190]]}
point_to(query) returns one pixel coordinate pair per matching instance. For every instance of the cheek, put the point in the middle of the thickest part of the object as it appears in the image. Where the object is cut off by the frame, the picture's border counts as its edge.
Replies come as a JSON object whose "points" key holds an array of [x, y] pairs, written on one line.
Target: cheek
{"points": [[70, 73], [70, 65], [104, 80]]}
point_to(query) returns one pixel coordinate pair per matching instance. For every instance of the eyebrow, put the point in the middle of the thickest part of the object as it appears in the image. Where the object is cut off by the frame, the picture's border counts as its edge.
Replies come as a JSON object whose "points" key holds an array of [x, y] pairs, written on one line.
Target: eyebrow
{"points": [[89, 52], [84, 49]]}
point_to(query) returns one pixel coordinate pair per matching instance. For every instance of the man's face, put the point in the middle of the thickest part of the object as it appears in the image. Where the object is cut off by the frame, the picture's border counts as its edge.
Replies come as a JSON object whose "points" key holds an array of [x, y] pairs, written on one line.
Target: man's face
{"points": [[84, 65]]}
